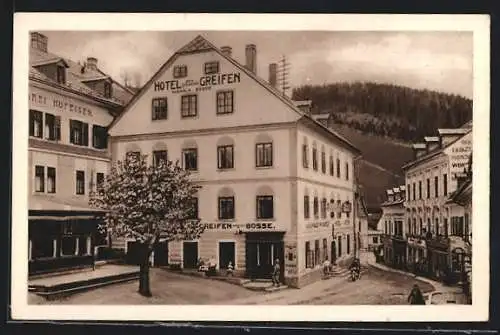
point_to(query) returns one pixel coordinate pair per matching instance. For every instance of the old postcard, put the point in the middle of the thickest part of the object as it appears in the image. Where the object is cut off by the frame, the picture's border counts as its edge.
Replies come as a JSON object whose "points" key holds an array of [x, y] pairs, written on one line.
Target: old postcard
{"points": [[250, 167]]}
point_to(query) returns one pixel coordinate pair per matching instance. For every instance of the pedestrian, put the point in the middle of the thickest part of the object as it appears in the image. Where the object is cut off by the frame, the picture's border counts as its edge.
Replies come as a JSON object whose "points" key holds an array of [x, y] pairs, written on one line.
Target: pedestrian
{"points": [[416, 297], [276, 273], [326, 267], [230, 268]]}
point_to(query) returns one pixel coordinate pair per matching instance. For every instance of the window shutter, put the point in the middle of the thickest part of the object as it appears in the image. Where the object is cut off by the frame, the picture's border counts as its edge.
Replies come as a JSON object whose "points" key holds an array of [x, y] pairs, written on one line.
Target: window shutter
{"points": [[57, 128], [32, 123], [85, 127]]}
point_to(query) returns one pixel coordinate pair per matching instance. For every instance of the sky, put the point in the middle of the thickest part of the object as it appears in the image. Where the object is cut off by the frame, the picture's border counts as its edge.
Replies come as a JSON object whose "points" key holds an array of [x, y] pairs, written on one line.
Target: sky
{"points": [[440, 61]]}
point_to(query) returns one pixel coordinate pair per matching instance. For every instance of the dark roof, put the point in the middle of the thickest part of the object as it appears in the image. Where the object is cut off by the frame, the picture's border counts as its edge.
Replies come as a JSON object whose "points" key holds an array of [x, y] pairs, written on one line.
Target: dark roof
{"points": [[200, 44], [433, 153], [75, 77], [462, 194]]}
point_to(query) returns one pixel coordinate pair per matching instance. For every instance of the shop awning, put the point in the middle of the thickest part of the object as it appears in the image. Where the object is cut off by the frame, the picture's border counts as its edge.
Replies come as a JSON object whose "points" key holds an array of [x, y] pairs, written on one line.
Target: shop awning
{"points": [[61, 218], [44, 203]]}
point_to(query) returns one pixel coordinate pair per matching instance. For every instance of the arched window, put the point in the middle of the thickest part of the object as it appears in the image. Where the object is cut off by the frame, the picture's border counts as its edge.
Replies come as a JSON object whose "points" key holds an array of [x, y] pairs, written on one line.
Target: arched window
{"points": [[132, 149], [315, 156], [265, 203], [225, 153], [160, 153], [226, 204], [263, 151], [331, 163], [190, 155], [338, 166], [323, 159]]}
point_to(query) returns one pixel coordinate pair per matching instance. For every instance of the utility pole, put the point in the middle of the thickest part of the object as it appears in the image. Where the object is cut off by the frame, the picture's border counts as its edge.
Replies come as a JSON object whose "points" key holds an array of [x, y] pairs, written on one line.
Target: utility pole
{"points": [[283, 73]]}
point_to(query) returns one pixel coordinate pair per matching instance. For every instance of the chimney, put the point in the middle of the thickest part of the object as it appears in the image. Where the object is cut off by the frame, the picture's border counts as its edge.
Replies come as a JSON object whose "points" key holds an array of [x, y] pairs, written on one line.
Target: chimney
{"points": [[226, 51], [431, 142], [419, 149], [251, 58], [273, 67], [91, 63], [39, 41]]}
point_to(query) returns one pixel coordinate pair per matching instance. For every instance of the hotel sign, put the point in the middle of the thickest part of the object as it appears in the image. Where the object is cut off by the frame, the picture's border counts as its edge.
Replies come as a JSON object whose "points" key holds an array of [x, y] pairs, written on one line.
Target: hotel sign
{"points": [[204, 83], [459, 156]]}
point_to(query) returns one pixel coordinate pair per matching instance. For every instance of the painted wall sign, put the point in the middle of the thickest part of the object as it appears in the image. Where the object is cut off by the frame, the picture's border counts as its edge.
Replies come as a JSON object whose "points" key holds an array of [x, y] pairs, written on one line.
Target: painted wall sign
{"points": [[202, 84], [318, 224], [231, 225], [459, 156], [62, 104]]}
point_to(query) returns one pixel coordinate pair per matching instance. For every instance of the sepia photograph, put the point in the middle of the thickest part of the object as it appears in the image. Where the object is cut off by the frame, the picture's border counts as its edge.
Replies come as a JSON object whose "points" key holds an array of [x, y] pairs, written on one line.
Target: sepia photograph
{"points": [[215, 162]]}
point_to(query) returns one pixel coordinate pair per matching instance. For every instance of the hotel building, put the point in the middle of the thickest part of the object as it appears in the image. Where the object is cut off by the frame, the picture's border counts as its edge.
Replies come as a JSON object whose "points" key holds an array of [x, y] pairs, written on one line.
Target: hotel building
{"points": [[433, 222], [70, 107], [276, 184]]}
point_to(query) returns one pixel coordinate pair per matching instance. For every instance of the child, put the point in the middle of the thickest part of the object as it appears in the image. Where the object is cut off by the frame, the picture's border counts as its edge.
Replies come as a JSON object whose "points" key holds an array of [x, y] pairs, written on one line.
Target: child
{"points": [[230, 269]]}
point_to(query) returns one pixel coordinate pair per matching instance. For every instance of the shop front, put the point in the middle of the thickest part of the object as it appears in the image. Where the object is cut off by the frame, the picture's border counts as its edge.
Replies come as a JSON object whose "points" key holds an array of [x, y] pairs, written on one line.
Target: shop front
{"points": [[262, 250], [399, 251], [62, 240], [388, 250], [416, 255], [438, 260]]}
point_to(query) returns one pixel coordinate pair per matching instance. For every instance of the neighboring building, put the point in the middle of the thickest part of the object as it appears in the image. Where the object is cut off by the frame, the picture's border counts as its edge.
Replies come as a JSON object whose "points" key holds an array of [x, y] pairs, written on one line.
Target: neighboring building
{"points": [[275, 183], [374, 239], [70, 107], [436, 228], [391, 222], [362, 224]]}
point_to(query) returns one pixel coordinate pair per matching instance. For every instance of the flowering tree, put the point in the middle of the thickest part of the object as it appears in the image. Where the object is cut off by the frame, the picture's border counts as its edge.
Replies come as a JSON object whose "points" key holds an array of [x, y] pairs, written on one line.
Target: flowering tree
{"points": [[147, 203]]}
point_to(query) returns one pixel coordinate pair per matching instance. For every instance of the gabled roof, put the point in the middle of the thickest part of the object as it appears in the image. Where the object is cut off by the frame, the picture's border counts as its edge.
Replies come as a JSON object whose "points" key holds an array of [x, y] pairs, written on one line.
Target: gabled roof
{"points": [[198, 44]]}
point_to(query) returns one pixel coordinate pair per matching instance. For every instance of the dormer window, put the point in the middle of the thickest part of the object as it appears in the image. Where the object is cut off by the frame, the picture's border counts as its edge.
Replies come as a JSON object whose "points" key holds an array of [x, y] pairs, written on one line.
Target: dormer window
{"points": [[107, 90], [61, 75], [211, 67], [180, 71]]}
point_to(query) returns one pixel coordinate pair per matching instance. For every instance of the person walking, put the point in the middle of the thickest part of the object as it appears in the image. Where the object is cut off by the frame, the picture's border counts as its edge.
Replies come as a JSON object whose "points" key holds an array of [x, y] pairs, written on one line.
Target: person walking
{"points": [[276, 273], [416, 297]]}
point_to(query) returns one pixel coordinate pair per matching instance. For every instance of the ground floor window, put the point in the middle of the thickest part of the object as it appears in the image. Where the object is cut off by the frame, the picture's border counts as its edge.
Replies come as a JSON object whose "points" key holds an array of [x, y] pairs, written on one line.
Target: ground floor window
{"points": [[309, 256], [42, 247], [325, 249], [316, 252], [68, 245], [339, 254], [348, 244]]}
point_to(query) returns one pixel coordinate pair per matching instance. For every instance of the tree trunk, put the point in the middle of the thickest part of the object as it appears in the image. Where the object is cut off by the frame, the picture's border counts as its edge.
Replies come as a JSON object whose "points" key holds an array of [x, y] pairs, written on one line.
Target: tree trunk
{"points": [[144, 287]]}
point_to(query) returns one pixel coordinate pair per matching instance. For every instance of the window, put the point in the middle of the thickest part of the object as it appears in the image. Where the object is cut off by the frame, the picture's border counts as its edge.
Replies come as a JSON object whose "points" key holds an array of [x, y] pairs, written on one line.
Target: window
{"points": [[61, 75], [408, 191], [84, 245], [436, 226], [375, 240], [189, 105], [225, 157], [265, 207], [414, 192], [80, 182], [159, 155], [348, 244], [315, 207], [323, 208], [160, 109], [339, 240], [39, 178], [79, 133], [338, 168], [133, 155], [325, 250], [264, 154], [42, 247], [331, 166], [36, 123], [180, 71], [68, 245], [332, 212], [211, 67], [445, 224], [305, 156], [190, 157], [317, 251], [309, 256], [339, 209], [306, 207], [398, 228], [51, 180], [107, 90], [420, 189], [445, 184], [100, 179], [226, 208], [436, 186], [193, 214], [52, 127], [323, 162], [457, 226], [225, 103], [428, 181], [315, 159], [346, 171], [99, 137]]}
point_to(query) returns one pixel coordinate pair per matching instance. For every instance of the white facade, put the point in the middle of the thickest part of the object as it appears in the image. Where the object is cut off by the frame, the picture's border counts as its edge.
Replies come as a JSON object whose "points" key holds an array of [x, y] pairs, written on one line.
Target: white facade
{"points": [[259, 115]]}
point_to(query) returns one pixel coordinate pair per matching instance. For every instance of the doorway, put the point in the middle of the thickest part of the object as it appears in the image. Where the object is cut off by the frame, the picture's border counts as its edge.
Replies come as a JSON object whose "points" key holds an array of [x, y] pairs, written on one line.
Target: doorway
{"points": [[262, 249], [333, 251], [226, 254], [190, 255], [161, 254]]}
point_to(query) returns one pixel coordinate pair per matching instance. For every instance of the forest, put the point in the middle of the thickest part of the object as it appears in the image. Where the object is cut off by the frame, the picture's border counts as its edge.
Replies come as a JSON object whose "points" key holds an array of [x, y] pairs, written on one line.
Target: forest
{"points": [[387, 110]]}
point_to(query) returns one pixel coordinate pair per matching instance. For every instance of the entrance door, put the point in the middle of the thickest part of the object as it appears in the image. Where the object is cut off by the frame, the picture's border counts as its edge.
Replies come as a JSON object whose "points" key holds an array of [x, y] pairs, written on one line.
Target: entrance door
{"points": [[333, 251], [190, 255], [161, 254], [261, 252], [226, 254]]}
